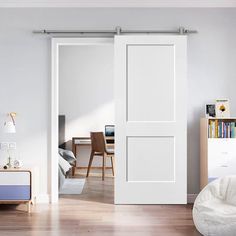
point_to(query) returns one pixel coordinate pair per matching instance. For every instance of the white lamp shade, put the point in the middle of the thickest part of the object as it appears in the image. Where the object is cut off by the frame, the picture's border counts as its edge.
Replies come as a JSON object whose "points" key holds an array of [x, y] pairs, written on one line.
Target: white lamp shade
{"points": [[9, 127]]}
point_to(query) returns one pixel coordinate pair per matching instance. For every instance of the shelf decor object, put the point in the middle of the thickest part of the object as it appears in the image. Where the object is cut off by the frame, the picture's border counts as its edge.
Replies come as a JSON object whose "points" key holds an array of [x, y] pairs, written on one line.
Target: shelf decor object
{"points": [[217, 149], [210, 110], [16, 187], [222, 108]]}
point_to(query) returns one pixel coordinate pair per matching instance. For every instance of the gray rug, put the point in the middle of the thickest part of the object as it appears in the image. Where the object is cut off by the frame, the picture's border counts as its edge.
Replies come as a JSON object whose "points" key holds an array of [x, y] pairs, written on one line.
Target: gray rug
{"points": [[72, 186]]}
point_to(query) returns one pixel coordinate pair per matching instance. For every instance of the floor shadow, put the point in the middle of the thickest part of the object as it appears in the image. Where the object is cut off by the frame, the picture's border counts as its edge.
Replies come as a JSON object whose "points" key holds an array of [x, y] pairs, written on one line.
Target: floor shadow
{"points": [[95, 190]]}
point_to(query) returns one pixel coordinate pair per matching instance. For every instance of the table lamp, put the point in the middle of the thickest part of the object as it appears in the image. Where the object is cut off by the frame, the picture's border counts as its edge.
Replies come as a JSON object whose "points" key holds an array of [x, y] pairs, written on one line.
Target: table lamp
{"points": [[10, 127]]}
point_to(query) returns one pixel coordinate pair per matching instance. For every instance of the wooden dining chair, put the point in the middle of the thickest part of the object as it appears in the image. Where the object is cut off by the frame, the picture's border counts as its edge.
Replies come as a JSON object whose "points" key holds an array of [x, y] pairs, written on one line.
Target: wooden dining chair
{"points": [[99, 149]]}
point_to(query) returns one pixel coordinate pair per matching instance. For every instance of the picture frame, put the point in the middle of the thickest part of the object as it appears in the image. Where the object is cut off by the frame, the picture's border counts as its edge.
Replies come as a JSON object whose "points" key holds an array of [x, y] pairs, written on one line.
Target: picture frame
{"points": [[222, 108], [210, 110]]}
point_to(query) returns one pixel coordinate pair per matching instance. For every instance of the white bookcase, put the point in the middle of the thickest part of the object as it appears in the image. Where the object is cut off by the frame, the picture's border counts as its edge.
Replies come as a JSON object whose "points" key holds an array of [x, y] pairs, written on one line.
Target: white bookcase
{"points": [[217, 155]]}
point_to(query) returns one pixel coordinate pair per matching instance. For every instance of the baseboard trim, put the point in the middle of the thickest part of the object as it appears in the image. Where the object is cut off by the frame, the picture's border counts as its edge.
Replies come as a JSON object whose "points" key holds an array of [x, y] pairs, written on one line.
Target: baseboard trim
{"points": [[191, 198], [42, 198]]}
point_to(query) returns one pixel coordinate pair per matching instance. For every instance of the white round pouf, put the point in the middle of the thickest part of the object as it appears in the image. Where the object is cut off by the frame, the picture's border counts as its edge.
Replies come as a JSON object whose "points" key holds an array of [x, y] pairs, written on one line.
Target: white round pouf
{"points": [[214, 210]]}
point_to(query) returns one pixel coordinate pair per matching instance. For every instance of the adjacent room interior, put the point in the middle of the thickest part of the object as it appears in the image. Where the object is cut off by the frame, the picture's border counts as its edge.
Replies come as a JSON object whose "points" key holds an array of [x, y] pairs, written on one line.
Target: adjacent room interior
{"points": [[86, 119]]}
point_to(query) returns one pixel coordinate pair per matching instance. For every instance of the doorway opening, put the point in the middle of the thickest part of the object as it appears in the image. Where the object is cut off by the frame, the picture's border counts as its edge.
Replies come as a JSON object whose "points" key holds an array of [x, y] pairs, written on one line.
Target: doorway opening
{"points": [[83, 115], [150, 116]]}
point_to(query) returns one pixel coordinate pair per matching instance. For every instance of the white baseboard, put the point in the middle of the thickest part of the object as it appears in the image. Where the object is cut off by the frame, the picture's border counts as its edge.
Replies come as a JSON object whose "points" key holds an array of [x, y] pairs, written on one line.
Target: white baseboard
{"points": [[191, 197], [42, 198]]}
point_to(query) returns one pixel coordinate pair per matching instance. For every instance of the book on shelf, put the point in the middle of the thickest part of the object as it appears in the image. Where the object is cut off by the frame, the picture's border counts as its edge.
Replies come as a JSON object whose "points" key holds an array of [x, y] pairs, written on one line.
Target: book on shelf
{"points": [[221, 129]]}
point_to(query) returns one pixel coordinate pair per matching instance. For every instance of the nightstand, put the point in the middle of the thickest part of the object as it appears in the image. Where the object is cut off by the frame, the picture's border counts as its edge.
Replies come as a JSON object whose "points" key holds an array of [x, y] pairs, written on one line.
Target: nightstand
{"points": [[16, 187]]}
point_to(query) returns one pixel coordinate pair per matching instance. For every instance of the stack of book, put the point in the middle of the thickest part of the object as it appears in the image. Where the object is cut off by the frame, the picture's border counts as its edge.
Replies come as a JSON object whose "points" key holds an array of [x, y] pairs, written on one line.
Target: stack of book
{"points": [[221, 129]]}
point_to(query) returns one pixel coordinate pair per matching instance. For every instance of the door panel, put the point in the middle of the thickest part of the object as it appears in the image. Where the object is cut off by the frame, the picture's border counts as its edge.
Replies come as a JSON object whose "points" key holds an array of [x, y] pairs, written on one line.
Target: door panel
{"points": [[150, 93], [152, 75], [142, 154]]}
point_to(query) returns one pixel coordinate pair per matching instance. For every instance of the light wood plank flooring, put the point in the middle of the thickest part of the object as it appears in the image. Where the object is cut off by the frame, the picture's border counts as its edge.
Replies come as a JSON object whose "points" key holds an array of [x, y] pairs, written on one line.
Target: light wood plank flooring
{"points": [[93, 213]]}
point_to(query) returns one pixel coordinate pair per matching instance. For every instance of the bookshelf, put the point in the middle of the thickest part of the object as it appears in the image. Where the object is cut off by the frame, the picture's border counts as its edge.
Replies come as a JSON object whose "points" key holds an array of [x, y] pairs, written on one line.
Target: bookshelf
{"points": [[217, 148]]}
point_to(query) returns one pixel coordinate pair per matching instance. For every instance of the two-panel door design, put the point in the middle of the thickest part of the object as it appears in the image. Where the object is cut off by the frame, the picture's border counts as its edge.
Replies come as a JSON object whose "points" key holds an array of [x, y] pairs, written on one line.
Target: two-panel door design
{"points": [[150, 95]]}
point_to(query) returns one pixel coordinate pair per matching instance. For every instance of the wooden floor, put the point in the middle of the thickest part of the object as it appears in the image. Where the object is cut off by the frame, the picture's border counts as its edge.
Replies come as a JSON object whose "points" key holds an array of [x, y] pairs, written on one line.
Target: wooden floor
{"points": [[93, 213]]}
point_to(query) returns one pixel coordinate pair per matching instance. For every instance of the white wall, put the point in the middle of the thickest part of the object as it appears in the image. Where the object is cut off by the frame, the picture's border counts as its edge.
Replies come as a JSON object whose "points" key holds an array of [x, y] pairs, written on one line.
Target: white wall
{"points": [[25, 67], [86, 95]]}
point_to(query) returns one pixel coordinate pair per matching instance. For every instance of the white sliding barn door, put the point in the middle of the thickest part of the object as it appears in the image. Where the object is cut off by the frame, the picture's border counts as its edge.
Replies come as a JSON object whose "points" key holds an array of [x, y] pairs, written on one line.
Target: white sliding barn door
{"points": [[150, 93]]}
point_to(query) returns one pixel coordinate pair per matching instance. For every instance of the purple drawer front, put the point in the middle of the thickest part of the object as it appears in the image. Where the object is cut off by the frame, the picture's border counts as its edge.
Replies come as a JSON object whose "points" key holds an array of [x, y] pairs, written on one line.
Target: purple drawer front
{"points": [[15, 192]]}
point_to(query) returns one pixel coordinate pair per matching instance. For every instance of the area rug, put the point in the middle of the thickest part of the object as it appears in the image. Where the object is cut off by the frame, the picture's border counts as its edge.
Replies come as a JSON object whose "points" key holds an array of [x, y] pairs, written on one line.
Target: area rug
{"points": [[72, 186]]}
